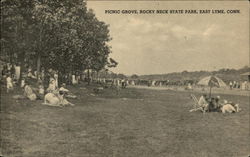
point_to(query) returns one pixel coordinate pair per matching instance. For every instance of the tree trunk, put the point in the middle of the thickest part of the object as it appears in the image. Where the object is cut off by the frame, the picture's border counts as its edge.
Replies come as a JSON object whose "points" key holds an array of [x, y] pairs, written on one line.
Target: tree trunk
{"points": [[97, 76], [22, 69], [38, 68], [88, 77]]}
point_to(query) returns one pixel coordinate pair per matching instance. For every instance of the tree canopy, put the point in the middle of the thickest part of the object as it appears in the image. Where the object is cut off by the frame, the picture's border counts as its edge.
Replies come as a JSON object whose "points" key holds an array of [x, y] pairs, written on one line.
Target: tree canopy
{"points": [[63, 35]]}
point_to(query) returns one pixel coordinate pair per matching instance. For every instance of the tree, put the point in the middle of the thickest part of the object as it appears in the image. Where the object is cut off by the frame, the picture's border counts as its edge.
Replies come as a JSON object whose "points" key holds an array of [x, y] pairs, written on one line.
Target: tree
{"points": [[64, 35], [134, 76]]}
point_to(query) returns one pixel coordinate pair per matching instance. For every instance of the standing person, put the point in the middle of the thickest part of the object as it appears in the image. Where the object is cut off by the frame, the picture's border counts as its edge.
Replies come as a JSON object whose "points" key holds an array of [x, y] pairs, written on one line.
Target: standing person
{"points": [[18, 72], [46, 79], [8, 67], [123, 83], [12, 71], [4, 71], [238, 85], [42, 74], [9, 83], [35, 74], [234, 84], [56, 79], [74, 79], [22, 82], [231, 85]]}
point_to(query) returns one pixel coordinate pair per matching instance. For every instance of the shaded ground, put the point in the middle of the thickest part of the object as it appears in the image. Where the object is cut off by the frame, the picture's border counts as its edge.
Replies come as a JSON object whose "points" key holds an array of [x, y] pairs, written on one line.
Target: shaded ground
{"points": [[136, 122]]}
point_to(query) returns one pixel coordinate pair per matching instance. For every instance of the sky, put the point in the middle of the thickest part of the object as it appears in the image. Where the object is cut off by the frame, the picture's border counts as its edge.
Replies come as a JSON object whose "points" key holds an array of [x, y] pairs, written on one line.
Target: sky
{"points": [[165, 43]]}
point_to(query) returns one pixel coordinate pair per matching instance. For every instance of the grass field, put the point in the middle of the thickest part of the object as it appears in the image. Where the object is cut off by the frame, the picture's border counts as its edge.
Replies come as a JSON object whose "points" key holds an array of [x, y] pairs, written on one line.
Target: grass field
{"points": [[133, 123]]}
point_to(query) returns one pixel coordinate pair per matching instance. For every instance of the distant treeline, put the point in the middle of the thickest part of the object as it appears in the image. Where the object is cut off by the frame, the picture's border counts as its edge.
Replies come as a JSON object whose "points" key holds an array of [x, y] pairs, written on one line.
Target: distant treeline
{"points": [[226, 75]]}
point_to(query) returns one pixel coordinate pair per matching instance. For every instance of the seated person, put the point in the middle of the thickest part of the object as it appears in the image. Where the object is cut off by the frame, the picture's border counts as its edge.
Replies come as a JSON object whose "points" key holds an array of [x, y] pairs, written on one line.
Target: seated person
{"points": [[41, 92], [28, 92], [212, 105], [30, 75], [56, 99], [52, 86], [235, 106], [203, 102], [66, 92]]}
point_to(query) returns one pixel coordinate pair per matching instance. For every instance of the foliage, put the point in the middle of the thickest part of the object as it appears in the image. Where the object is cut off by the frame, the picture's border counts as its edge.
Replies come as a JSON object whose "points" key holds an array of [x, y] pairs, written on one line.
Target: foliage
{"points": [[63, 35], [226, 75]]}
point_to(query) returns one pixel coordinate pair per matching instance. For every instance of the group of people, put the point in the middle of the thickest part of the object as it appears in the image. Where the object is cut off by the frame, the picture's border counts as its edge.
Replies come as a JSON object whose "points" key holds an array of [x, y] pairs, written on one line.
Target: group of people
{"points": [[239, 85], [52, 93], [214, 104]]}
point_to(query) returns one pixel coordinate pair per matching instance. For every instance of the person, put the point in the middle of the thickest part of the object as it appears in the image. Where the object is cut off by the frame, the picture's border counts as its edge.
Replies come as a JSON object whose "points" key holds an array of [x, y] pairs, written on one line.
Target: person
{"points": [[52, 86], [8, 67], [230, 107], [9, 83], [18, 72], [123, 83], [231, 85], [234, 84], [56, 99], [22, 83], [56, 79], [12, 70], [212, 105], [237, 85], [203, 102], [66, 92], [35, 74], [63, 88], [243, 85], [41, 91], [46, 79], [218, 104], [28, 92], [74, 79], [42, 74], [30, 74], [4, 71]]}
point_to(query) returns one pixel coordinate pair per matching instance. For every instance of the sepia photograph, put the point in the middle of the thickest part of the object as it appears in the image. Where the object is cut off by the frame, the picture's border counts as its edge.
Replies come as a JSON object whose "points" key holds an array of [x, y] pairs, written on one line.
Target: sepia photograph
{"points": [[124, 78]]}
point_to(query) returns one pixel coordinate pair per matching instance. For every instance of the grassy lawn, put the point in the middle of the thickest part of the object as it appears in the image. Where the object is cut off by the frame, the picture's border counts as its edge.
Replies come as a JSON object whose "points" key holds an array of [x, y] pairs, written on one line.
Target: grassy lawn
{"points": [[132, 123]]}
